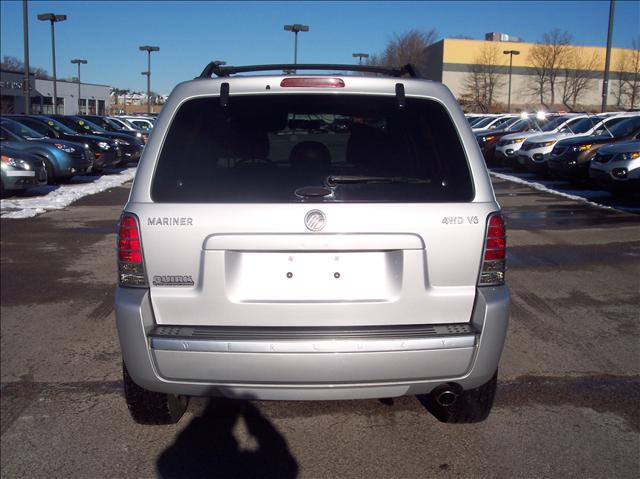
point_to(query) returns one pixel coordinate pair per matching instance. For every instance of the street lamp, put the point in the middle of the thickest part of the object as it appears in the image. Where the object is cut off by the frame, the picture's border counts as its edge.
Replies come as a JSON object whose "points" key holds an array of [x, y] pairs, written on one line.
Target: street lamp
{"points": [[360, 56], [53, 18], [148, 49], [295, 28], [511, 53], [79, 62]]}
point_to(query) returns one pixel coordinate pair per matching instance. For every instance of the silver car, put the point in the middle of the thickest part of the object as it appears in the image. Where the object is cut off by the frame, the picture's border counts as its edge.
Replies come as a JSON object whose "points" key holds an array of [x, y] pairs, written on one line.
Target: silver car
{"points": [[311, 237], [616, 167]]}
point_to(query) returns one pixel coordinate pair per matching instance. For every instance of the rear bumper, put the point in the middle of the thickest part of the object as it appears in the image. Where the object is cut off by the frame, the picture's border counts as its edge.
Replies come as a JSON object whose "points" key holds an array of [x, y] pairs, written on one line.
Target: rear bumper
{"points": [[320, 368]]}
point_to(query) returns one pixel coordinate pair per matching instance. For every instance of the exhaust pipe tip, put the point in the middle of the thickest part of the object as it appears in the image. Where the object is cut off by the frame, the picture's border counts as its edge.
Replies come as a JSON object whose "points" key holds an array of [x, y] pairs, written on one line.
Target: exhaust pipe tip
{"points": [[447, 394]]}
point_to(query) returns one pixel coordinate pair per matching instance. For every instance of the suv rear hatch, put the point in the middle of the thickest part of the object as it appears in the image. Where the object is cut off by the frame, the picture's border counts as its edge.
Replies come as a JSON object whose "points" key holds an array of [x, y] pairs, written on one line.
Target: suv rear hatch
{"points": [[312, 210]]}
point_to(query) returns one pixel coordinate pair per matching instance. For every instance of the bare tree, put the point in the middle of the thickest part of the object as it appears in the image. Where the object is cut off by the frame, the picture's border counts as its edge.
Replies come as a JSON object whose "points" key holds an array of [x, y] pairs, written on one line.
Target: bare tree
{"points": [[483, 79], [406, 48], [619, 76], [548, 58], [14, 64], [633, 77], [577, 80]]}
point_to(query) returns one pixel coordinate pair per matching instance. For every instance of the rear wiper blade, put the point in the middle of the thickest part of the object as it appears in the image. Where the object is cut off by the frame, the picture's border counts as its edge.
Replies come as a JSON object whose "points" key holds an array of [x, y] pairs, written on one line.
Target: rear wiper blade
{"points": [[353, 179]]}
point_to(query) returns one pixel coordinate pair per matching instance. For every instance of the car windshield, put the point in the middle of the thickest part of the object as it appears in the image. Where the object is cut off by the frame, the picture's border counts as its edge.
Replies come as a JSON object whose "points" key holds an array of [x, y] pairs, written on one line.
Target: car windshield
{"points": [[59, 126], [521, 124], [482, 123], [624, 128], [583, 125], [278, 148], [21, 130], [505, 122], [89, 126], [554, 123]]}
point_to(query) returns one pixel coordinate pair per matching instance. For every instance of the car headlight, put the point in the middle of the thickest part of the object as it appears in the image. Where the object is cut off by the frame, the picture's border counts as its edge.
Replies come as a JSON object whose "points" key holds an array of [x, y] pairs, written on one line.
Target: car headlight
{"points": [[582, 147], [517, 140], [103, 145], [18, 163], [65, 148], [630, 156], [123, 142], [139, 135]]}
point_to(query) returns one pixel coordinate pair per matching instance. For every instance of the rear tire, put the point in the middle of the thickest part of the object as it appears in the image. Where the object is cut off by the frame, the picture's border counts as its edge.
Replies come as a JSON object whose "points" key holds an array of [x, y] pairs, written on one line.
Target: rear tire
{"points": [[148, 407], [473, 405]]}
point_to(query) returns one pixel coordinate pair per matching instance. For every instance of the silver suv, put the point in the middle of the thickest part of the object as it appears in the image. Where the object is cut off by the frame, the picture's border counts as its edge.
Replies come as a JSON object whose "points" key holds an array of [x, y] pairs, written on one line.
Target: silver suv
{"points": [[311, 237]]}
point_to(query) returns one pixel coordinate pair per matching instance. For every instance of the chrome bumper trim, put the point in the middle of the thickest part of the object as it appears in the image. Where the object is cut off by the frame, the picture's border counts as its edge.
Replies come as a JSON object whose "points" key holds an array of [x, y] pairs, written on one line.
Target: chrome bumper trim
{"points": [[320, 346]]}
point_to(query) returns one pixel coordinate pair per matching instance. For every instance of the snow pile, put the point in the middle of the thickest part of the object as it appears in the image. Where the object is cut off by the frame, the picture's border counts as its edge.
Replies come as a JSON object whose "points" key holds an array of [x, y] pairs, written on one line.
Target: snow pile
{"points": [[57, 197]]}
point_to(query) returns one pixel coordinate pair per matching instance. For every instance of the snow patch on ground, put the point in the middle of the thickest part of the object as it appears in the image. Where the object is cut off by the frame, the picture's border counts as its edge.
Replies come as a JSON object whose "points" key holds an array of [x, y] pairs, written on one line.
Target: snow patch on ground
{"points": [[583, 195], [57, 197]]}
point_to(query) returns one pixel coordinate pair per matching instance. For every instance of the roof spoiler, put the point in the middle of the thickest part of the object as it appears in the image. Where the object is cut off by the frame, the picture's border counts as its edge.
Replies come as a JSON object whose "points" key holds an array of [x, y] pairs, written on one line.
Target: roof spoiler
{"points": [[220, 71]]}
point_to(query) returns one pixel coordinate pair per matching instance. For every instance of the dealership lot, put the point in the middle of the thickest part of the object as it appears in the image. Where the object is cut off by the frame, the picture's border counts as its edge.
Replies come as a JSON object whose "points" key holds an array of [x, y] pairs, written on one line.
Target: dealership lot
{"points": [[567, 402]]}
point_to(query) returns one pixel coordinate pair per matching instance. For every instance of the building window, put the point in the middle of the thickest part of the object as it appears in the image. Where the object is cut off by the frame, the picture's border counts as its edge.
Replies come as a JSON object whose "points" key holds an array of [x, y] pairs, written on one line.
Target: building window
{"points": [[101, 107], [83, 106], [92, 107]]}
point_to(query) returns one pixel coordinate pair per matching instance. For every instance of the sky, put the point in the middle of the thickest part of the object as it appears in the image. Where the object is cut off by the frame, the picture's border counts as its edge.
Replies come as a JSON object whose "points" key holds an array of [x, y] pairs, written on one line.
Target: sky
{"points": [[192, 33]]}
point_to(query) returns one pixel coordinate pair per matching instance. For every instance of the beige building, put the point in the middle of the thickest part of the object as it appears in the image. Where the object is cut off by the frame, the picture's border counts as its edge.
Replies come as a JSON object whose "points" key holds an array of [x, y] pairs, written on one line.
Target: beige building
{"points": [[451, 62]]}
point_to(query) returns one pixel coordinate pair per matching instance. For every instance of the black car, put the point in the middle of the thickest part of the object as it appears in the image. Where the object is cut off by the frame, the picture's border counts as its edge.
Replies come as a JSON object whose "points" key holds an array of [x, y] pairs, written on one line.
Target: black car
{"points": [[105, 151], [570, 158], [115, 127], [131, 147]]}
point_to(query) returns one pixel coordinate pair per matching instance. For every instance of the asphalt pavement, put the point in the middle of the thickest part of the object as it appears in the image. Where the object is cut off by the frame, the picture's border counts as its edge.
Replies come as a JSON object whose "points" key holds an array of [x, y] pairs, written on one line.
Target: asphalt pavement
{"points": [[568, 401]]}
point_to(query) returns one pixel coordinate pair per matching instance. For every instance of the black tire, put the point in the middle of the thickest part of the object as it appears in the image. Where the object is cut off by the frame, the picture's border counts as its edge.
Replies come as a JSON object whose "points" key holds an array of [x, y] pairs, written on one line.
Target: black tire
{"points": [[148, 407], [3, 193], [51, 177], [473, 405]]}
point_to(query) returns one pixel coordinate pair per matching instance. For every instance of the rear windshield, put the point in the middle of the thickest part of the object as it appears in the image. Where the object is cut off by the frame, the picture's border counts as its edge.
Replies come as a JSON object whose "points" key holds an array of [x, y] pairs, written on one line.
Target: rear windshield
{"points": [[343, 148]]}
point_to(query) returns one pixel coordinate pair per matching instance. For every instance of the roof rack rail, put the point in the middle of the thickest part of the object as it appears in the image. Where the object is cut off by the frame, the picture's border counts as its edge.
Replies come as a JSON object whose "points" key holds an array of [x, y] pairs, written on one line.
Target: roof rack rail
{"points": [[223, 71]]}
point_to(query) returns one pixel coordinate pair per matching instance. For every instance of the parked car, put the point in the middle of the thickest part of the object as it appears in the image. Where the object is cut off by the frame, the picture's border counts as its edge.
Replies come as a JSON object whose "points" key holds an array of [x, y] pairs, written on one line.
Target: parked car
{"points": [[115, 127], [62, 159], [508, 146], [104, 151], [616, 167], [571, 157], [488, 141], [20, 171], [130, 147], [535, 151], [307, 265], [142, 122]]}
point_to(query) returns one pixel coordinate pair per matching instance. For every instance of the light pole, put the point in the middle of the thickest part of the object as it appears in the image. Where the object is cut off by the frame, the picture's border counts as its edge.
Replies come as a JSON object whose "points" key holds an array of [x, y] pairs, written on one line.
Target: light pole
{"points": [[511, 53], [295, 28], [26, 86], [607, 60], [360, 56], [79, 62], [148, 49], [53, 18]]}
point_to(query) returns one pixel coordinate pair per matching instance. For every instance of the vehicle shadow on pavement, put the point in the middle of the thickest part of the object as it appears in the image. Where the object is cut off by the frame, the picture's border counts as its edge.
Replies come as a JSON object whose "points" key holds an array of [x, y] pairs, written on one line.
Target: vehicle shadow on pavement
{"points": [[207, 446]]}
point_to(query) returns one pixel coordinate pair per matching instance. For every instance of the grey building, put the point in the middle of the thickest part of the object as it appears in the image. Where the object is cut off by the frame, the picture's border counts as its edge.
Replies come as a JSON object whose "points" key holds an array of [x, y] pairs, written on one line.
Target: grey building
{"points": [[94, 98]]}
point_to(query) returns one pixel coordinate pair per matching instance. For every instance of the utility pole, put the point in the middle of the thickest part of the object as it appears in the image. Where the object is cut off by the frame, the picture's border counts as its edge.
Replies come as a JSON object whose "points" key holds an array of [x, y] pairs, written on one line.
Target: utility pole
{"points": [[79, 62], [607, 61], [148, 49], [511, 53], [53, 18]]}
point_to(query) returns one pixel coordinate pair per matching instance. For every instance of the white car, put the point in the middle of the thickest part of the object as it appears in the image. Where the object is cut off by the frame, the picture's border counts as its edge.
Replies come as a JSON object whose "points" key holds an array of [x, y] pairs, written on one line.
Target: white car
{"points": [[141, 122], [494, 122], [535, 150], [509, 145]]}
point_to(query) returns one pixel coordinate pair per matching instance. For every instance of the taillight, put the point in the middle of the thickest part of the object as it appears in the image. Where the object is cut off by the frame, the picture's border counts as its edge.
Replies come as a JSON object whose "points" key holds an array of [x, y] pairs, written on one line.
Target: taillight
{"points": [[130, 260], [494, 254], [312, 82]]}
